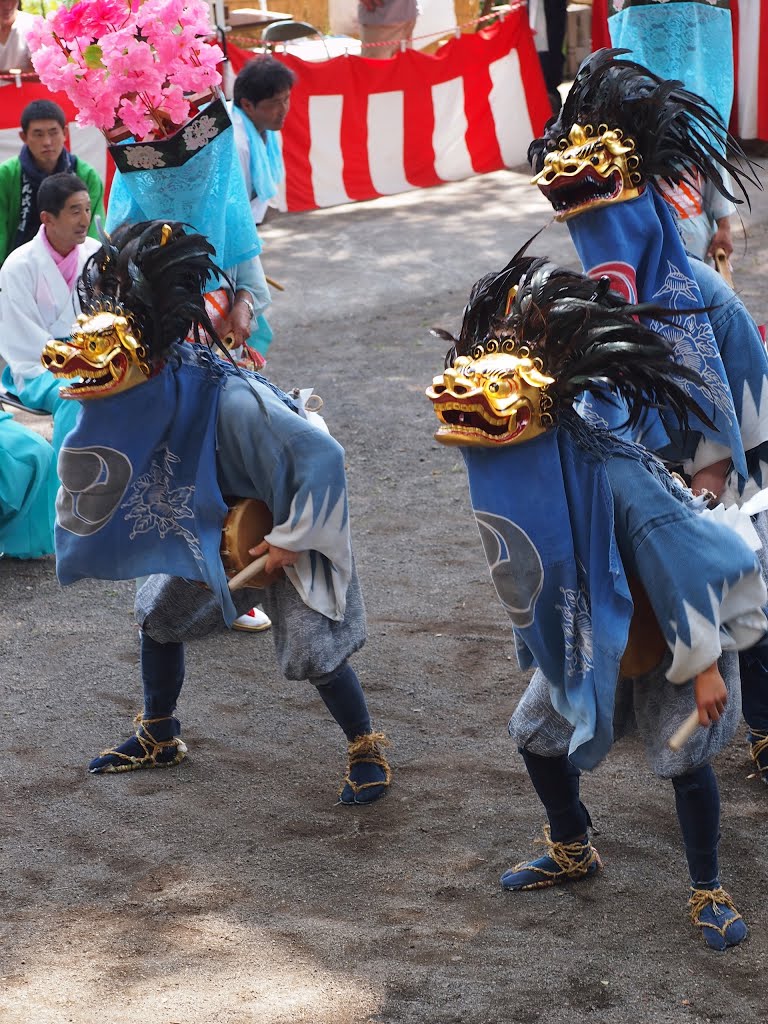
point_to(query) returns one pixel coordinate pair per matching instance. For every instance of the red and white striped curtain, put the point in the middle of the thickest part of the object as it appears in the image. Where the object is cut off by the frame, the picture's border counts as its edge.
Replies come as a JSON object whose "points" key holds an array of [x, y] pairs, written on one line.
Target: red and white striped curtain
{"points": [[361, 128], [749, 20], [749, 117]]}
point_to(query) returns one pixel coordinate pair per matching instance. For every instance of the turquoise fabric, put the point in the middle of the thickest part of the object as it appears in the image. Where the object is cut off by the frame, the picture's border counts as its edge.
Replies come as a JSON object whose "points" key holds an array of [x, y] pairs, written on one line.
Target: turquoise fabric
{"points": [[266, 159], [42, 392], [206, 192], [27, 532], [262, 335], [684, 40], [27, 491]]}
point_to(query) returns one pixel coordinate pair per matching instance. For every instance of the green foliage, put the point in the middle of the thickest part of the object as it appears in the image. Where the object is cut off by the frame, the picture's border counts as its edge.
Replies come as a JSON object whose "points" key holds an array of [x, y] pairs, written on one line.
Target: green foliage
{"points": [[92, 56], [40, 6]]}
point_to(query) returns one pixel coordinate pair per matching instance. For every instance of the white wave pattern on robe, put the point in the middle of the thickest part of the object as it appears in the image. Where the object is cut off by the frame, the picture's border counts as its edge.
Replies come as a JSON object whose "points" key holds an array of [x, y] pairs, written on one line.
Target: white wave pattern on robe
{"points": [[321, 582]]}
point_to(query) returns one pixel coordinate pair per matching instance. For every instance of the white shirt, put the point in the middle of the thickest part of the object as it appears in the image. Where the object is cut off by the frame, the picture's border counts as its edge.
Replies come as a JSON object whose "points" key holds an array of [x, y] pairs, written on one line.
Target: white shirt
{"points": [[35, 305], [14, 52]]}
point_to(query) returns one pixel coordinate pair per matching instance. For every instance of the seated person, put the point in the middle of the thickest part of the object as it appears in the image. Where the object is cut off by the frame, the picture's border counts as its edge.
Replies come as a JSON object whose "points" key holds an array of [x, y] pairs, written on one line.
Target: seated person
{"points": [[27, 491], [14, 25], [38, 297], [43, 133]]}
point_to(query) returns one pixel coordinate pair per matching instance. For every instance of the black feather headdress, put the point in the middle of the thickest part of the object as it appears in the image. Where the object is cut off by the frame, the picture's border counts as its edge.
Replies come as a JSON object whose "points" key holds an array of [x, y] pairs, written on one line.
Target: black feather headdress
{"points": [[587, 337], [676, 132], [157, 273]]}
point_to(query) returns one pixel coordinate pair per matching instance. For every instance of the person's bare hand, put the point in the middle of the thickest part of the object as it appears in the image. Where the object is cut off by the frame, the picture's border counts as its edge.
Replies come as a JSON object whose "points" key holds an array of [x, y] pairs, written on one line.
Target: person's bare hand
{"points": [[277, 558], [711, 478], [237, 326], [721, 240], [711, 694]]}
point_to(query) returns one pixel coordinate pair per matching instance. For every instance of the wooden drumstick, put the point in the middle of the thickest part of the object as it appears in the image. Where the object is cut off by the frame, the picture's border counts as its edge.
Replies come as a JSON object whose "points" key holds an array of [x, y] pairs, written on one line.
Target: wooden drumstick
{"points": [[241, 578], [684, 733], [723, 266], [274, 284]]}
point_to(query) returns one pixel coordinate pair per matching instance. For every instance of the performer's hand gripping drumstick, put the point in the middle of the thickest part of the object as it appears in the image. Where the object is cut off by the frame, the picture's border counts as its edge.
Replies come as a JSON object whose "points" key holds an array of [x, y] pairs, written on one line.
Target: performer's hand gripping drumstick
{"points": [[711, 696], [723, 266], [267, 558], [237, 327]]}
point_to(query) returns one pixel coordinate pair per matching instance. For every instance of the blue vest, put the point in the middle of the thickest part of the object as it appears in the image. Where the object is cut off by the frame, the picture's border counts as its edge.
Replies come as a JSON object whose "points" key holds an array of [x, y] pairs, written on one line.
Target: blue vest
{"points": [[545, 514], [139, 493]]}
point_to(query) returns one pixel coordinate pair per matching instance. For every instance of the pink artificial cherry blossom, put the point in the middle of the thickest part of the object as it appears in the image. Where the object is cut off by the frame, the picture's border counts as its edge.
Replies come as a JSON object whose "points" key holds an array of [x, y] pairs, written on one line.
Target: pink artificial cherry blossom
{"points": [[129, 60], [174, 104], [89, 17], [135, 115]]}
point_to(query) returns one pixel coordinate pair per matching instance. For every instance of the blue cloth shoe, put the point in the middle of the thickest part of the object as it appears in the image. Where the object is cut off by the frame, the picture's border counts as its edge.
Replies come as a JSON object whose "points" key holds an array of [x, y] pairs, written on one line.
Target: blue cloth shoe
{"points": [[368, 772], [159, 747], [713, 911], [563, 862], [758, 749]]}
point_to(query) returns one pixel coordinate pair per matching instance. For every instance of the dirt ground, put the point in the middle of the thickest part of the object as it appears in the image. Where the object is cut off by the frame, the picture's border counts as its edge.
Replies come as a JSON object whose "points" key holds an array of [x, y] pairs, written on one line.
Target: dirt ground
{"points": [[233, 889]]}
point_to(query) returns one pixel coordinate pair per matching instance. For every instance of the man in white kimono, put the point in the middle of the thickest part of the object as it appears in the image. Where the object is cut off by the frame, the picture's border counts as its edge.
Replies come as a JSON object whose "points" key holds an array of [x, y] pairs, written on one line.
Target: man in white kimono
{"points": [[38, 297]]}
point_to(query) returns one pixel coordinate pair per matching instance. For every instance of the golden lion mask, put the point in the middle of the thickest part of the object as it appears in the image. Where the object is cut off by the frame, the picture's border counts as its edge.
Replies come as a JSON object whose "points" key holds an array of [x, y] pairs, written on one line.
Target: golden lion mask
{"points": [[105, 354], [496, 396], [590, 169]]}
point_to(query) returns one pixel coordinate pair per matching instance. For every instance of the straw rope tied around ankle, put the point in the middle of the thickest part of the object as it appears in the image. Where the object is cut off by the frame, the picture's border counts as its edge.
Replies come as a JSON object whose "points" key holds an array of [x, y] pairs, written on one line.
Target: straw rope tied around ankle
{"points": [[152, 748], [701, 899], [759, 747], [573, 861], [367, 750]]}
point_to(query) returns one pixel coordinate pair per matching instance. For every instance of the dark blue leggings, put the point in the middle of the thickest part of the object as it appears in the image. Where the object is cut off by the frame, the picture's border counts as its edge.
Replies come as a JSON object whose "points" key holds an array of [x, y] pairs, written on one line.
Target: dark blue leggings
{"points": [[162, 675], [697, 800]]}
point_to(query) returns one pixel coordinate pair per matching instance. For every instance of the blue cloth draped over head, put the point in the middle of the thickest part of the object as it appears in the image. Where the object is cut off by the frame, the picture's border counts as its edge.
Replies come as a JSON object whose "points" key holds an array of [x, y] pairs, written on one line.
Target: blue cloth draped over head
{"points": [[206, 190], [687, 40], [558, 575]]}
